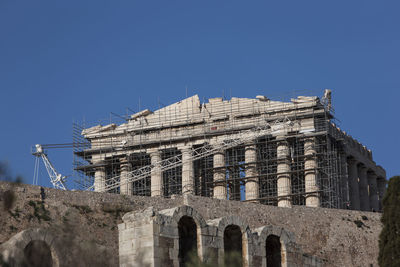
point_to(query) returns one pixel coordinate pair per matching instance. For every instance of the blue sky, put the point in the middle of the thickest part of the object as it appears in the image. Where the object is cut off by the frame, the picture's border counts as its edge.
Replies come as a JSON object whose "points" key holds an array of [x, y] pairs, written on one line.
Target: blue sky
{"points": [[62, 61]]}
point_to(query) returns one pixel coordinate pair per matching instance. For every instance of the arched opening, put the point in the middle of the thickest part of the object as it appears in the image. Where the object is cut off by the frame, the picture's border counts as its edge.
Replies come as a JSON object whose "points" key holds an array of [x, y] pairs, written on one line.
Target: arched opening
{"points": [[273, 250], [233, 246], [38, 254], [187, 241]]}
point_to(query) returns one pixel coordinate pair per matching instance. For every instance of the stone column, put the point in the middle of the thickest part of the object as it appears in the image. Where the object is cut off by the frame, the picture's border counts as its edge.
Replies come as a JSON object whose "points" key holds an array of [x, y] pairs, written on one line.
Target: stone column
{"points": [[156, 174], [381, 191], [353, 185], [126, 187], [283, 175], [219, 175], [310, 165], [373, 191], [187, 172], [250, 155], [99, 179], [344, 181], [363, 187]]}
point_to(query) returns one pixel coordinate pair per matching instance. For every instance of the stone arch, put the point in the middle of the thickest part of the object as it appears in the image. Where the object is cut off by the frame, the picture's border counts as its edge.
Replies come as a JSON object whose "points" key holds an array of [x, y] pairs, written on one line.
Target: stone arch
{"points": [[176, 215], [246, 237], [181, 211], [284, 237], [15, 249]]}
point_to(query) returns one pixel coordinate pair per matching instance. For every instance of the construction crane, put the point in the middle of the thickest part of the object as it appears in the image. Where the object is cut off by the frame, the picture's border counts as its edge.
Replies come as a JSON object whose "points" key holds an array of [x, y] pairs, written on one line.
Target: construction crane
{"points": [[57, 179]]}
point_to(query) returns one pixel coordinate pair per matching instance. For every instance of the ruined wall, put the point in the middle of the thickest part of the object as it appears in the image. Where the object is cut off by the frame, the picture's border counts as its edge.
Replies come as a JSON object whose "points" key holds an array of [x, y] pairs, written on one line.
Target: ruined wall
{"points": [[181, 237], [85, 223], [88, 220], [338, 237]]}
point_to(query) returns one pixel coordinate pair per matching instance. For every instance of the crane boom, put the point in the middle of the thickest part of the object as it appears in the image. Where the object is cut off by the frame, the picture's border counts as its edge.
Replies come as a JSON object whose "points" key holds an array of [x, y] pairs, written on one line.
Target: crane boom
{"points": [[56, 178]]}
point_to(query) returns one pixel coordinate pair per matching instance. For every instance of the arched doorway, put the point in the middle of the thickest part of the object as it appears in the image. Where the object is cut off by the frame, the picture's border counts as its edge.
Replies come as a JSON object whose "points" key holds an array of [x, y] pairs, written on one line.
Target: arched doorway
{"points": [[273, 251], [38, 254], [233, 246], [187, 241]]}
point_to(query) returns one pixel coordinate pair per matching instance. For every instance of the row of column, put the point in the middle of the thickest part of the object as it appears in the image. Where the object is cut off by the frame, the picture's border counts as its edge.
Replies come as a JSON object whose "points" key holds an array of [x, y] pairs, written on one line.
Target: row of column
{"points": [[365, 189], [284, 174], [284, 191], [251, 174], [362, 189], [156, 175], [187, 173]]}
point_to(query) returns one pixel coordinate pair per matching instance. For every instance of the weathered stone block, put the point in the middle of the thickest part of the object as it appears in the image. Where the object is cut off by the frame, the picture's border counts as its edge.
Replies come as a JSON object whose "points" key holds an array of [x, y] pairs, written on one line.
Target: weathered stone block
{"points": [[166, 242]]}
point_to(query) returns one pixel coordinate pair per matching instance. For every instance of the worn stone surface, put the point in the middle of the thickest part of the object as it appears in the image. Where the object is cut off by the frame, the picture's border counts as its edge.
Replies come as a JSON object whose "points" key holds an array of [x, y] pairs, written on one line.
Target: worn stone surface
{"points": [[337, 237], [89, 219]]}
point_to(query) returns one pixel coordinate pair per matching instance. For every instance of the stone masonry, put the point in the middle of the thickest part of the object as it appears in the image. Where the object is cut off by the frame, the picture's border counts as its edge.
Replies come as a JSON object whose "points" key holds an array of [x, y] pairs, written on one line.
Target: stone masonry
{"points": [[152, 238], [86, 228], [258, 150]]}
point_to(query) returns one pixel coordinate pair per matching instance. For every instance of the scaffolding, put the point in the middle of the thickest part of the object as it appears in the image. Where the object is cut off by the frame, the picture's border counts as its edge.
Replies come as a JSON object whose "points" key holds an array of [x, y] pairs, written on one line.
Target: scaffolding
{"points": [[108, 151]]}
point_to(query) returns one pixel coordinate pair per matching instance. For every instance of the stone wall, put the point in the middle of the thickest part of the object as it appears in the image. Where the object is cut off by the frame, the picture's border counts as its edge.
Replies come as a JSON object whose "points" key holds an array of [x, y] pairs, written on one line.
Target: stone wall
{"points": [[155, 239], [88, 221], [337, 237]]}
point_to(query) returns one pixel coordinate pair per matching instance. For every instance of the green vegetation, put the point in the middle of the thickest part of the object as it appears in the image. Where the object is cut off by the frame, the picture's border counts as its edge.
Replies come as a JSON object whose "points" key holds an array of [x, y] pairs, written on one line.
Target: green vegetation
{"points": [[232, 259], [15, 214], [39, 211], [389, 240], [359, 223]]}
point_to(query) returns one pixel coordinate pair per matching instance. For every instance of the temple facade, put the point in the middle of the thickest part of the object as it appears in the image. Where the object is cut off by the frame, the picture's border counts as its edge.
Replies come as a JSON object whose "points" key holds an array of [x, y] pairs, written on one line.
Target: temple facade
{"points": [[245, 149]]}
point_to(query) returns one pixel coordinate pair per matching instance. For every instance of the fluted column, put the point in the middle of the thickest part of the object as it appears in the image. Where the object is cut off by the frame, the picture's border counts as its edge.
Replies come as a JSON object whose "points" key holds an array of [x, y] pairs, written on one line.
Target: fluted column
{"points": [[156, 174], [373, 191], [344, 181], [283, 175], [219, 175], [363, 187], [99, 179], [125, 186], [187, 172], [310, 165], [353, 184], [250, 155]]}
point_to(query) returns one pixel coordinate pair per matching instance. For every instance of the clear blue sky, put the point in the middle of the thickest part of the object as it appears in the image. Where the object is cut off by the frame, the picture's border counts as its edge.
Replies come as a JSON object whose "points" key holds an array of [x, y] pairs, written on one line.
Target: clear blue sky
{"points": [[66, 60]]}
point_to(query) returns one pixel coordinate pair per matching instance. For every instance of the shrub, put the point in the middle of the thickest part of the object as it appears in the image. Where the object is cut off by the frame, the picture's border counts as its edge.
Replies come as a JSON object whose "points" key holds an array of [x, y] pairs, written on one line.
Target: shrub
{"points": [[389, 240]]}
